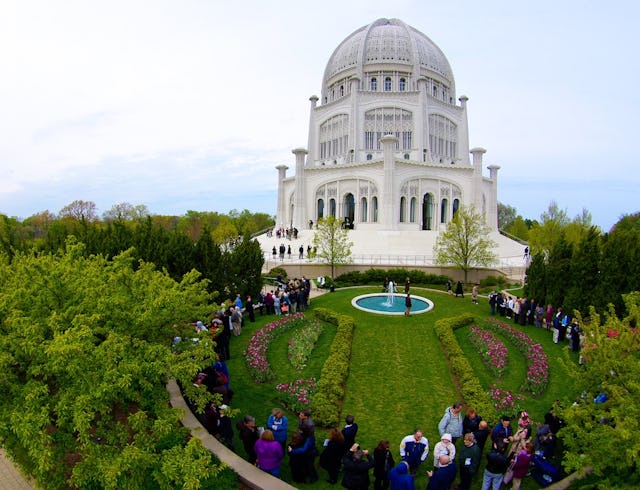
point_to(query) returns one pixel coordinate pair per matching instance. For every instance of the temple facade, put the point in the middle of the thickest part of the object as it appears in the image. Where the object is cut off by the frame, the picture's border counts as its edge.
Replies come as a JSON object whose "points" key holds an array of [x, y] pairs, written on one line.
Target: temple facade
{"points": [[388, 146]]}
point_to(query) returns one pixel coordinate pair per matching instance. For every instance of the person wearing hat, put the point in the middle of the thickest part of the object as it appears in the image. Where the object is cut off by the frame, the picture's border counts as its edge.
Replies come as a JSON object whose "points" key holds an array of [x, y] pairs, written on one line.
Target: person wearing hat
{"points": [[225, 430], [444, 446]]}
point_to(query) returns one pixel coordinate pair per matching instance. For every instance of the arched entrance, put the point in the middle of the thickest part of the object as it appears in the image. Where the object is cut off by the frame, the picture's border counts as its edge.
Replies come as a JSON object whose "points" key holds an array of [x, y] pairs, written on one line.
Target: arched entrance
{"points": [[349, 211], [427, 212]]}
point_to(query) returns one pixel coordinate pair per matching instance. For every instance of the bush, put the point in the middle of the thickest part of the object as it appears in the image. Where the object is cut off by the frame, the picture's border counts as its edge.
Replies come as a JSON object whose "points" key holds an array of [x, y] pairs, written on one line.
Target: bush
{"points": [[273, 273], [333, 376], [494, 282], [472, 392], [398, 276]]}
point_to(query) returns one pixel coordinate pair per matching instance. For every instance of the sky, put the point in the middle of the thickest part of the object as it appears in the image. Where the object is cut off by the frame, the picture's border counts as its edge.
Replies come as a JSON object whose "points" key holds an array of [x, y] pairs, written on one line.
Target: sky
{"points": [[191, 105]]}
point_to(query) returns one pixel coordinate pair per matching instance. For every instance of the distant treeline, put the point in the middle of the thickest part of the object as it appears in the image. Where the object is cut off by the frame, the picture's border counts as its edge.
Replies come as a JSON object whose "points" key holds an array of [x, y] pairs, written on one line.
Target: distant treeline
{"points": [[216, 245]]}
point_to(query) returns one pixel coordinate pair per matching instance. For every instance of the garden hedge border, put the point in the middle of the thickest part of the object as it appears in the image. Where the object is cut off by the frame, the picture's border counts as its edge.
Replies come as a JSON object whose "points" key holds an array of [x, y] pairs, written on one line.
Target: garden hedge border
{"points": [[472, 392], [327, 400]]}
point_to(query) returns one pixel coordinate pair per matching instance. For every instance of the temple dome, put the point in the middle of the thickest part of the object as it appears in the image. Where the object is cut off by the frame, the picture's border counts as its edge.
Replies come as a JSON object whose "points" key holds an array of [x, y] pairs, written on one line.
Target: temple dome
{"points": [[387, 43]]}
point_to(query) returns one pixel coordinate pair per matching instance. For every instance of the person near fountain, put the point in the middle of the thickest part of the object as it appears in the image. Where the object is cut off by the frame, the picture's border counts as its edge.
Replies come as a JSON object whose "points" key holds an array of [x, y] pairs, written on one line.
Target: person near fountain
{"points": [[407, 304], [407, 286]]}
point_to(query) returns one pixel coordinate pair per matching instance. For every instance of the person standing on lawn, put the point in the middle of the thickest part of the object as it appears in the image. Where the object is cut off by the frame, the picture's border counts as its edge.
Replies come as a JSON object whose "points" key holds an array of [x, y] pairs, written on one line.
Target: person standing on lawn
{"points": [[407, 304], [451, 422], [414, 449], [469, 461]]}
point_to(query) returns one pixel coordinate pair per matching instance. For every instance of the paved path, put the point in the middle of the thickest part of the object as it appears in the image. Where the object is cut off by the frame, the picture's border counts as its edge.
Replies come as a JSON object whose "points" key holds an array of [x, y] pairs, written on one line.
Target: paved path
{"points": [[10, 476]]}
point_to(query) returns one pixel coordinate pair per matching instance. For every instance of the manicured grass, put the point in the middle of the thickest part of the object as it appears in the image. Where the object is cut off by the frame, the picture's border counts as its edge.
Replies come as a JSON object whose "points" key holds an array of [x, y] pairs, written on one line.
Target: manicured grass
{"points": [[399, 378]]}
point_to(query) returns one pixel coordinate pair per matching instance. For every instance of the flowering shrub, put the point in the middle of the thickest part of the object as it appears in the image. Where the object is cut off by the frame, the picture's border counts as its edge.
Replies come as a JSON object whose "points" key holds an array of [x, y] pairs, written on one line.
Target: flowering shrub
{"points": [[492, 350], [537, 378], [296, 396], [301, 344], [505, 402], [256, 352]]}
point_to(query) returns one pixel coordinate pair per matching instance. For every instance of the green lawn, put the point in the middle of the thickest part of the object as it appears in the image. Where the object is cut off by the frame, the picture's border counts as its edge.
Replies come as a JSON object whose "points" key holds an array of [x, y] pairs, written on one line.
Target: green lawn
{"points": [[399, 378]]}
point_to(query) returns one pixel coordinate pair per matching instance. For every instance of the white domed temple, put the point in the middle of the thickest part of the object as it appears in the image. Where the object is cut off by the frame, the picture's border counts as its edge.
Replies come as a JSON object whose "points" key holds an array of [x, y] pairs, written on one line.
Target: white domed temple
{"points": [[388, 148]]}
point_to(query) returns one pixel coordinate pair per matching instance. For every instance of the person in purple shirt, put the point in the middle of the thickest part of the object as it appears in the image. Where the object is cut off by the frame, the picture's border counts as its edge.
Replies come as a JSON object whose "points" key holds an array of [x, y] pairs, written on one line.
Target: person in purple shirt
{"points": [[269, 453]]}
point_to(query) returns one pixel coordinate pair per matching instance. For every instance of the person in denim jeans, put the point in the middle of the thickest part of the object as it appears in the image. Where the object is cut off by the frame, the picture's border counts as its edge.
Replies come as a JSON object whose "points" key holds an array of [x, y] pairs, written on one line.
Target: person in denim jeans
{"points": [[497, 464]]}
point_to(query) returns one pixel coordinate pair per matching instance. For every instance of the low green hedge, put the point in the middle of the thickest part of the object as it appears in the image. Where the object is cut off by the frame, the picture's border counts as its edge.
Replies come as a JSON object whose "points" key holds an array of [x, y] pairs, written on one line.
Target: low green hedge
{"points": [[333, 376], [398, 276], [472, 392]]}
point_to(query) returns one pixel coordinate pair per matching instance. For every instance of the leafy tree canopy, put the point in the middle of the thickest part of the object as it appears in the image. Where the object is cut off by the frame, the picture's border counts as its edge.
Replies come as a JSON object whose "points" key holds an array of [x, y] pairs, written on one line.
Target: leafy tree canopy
{"points": [[332, 243], [85, 354], [464, 244], [597, 431]]}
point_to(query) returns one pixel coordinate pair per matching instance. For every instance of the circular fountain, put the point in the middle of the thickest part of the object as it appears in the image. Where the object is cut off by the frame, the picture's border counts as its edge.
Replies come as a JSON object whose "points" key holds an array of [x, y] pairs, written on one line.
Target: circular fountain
{"points": [[390, 303]]}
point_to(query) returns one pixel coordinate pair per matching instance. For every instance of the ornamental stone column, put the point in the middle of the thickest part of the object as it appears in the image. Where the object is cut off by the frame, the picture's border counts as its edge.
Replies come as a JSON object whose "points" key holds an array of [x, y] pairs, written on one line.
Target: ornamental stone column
{"points": [[463, 131], [477, 178], [492, 205], [299, 208], [311, 142], [389, 220], [281, 214]]}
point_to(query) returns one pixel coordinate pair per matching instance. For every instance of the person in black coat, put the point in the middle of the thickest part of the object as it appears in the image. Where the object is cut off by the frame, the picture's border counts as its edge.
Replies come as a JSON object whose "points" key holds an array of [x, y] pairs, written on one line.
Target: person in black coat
{"points": [[248, 434], [356, 465], [383, 463], [459, 290], [331, 457], [349, 431], [248, 305], [297, 459]]}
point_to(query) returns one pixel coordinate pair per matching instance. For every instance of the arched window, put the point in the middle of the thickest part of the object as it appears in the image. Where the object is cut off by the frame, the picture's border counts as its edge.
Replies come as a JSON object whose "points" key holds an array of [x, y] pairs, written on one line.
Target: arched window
{"points": [[412, 210], [364, 210], [403, 84], [341, 90], [387, 84], [456, 205], [403, 210], [427, 212], [320, 211], [369, 156], [332, 207], [374, 203], [374, 84], [443, 210]]}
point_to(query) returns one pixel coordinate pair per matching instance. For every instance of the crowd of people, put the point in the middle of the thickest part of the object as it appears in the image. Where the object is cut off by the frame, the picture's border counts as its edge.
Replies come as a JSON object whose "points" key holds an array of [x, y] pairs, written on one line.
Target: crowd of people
{"points": [[525, 311], [457, 456]]}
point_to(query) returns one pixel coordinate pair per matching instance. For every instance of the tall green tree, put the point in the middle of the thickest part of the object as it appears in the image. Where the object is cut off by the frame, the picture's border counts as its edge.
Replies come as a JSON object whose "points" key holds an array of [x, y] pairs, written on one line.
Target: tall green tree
{"points": [[558, 271], [332, 243], [581, 284], [465, 243], [85, 356], [244, 267]]}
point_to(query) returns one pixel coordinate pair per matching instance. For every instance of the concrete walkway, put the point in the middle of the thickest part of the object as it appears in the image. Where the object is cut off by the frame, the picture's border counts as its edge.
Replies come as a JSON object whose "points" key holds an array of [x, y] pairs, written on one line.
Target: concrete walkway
{"points": [[10, 476]]}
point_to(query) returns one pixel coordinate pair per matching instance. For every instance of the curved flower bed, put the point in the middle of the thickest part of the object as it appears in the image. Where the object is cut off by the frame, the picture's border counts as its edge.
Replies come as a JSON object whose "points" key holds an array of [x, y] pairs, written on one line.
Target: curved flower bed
{"points": [[301, 344], [537, 378], [492, 350], [505, 402], [256, 352], [296, 395]]}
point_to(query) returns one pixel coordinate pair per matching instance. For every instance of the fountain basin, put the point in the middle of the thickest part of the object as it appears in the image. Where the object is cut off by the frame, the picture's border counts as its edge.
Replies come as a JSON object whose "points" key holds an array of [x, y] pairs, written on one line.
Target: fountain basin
{"points": [[390, 304]]}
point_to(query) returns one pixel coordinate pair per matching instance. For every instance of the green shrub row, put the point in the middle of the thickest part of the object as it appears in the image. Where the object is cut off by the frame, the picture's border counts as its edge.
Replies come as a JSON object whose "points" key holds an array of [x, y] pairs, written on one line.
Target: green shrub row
{"points": [[333, 376], [398, 276], [472, 392]]}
